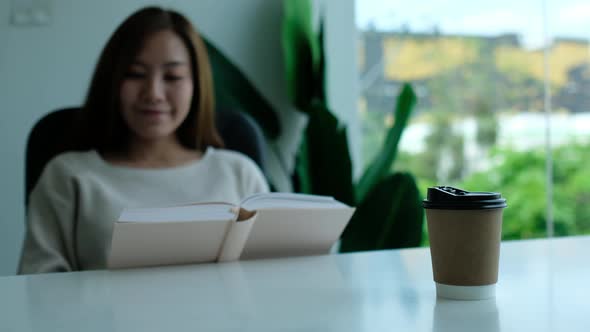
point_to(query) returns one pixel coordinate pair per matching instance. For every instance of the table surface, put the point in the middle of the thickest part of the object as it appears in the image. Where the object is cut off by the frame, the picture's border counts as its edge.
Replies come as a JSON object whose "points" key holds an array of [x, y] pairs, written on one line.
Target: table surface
{"points": [[543, 286]]}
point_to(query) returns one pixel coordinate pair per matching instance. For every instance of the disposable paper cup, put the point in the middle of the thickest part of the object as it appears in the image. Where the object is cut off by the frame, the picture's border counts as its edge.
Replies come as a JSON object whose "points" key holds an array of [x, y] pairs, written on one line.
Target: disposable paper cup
{"points": [[464, 230]]}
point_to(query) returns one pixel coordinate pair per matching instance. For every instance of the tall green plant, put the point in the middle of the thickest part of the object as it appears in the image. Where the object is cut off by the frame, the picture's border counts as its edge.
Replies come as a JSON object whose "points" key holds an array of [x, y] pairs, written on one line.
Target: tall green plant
{"points": [[302, 55], [389, 212], [234, 90], [385, 158]]}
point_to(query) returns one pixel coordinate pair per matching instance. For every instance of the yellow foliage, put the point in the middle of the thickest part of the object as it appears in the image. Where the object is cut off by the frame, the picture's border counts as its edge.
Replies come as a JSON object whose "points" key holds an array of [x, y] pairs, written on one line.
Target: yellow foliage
{"points": [[510, 59], [563, 57], [361, 59], [407, 58], [411, 59]]}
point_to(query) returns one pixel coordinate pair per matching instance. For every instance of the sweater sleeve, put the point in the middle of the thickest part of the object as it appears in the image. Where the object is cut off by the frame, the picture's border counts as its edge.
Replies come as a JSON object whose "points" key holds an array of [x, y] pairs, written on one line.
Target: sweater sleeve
{"points": [[49, 241], [253, 179]]}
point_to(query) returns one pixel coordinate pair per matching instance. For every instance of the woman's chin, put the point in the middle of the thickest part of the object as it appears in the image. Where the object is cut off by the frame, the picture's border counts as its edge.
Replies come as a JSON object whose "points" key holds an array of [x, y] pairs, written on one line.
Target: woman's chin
{"points": [[155, 135]]}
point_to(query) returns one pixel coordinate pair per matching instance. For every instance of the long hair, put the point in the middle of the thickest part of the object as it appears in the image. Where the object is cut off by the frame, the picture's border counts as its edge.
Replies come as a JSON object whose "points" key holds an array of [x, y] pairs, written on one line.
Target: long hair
{"points": [[100, 123]]}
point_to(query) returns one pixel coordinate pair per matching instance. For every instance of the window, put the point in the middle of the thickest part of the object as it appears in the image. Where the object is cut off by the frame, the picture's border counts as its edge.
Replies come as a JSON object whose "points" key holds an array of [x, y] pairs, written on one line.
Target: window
{"points": [[503, 101]]}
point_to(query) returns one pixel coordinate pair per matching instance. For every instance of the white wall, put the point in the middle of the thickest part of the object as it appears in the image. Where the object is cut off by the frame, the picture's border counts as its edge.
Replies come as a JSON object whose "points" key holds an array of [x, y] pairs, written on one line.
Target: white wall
{"points": [[46, 67], [342, 70]]}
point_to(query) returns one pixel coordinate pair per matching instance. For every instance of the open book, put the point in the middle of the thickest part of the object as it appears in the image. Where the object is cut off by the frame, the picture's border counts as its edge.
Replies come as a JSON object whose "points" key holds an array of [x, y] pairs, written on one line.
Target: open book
{"points": [[262, 226]]}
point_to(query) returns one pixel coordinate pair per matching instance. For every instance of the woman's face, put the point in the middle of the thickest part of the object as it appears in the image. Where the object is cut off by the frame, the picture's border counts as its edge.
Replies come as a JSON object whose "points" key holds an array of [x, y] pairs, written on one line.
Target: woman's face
{"points": [[157, 90]]}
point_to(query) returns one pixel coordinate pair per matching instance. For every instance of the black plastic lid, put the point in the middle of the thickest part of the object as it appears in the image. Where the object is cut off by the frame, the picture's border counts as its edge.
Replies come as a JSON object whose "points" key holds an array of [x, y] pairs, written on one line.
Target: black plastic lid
{"points": [[449, 198]]}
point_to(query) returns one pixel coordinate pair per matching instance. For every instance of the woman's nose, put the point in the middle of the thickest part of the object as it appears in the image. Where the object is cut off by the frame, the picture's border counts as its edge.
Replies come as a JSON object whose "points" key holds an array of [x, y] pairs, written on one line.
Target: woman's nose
{"points": [[154, 89]]}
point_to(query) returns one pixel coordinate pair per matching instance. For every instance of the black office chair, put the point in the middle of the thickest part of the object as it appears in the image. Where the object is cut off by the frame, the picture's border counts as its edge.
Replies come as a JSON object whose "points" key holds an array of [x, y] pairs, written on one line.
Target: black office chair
{"points": [[47, 139]]}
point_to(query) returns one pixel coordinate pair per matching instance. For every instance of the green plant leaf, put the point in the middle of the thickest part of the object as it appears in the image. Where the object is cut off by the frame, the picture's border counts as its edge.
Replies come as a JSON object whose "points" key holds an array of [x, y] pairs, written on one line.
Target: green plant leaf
{"points": [[302, 178], [382, 164], [329, 168], [391, 216], [300, 52], [234, 90], [320, 82]]}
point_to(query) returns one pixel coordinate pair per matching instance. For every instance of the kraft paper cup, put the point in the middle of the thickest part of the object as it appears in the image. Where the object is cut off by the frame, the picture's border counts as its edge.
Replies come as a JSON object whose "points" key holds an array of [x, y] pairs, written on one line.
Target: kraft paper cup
{"points": [[465, 230]]}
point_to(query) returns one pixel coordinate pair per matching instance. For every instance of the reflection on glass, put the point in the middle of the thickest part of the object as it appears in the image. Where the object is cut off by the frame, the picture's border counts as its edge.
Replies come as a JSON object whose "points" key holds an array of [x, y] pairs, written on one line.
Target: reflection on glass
{"points": [[479, 316]]}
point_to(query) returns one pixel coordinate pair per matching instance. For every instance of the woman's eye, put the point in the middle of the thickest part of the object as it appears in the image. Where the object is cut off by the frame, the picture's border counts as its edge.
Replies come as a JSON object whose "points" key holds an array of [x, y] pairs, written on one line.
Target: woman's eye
{"points": [[134, 75], [171, 77]]}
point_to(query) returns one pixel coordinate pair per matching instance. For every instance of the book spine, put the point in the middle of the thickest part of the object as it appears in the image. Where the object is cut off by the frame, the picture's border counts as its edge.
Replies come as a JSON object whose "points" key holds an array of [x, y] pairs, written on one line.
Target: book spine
{"points": [[235, 239]]}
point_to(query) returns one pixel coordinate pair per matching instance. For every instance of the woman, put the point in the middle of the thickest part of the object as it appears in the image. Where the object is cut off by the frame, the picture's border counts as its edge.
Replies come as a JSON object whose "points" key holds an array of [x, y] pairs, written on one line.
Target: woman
{"points": [[148, 126]]}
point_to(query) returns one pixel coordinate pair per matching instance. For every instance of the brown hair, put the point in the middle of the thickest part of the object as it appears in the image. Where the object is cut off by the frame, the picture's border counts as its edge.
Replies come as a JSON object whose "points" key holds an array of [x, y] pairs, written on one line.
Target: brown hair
{"points": [[101, 125]]}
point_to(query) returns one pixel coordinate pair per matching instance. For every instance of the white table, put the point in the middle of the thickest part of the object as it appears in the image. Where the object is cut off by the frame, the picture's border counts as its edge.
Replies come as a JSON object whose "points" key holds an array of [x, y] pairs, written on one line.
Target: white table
{"points": [[544, 286]]}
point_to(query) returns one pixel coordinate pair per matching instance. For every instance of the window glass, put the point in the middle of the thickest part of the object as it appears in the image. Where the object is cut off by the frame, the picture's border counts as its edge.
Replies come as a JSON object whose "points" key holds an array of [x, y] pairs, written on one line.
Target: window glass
{"points": [[483, 75]]}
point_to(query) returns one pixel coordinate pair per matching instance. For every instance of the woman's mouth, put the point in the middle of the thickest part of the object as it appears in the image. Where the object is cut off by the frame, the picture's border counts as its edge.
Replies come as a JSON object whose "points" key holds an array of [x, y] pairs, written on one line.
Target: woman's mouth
{"points": [[152, 112]]}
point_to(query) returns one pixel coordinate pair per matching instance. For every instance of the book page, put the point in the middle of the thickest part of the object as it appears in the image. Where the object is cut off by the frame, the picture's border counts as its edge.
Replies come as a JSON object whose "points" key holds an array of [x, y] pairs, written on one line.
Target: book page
{"points": [[295, 232], [136, 244], [289, 200], [192, 212], [170, 235]]}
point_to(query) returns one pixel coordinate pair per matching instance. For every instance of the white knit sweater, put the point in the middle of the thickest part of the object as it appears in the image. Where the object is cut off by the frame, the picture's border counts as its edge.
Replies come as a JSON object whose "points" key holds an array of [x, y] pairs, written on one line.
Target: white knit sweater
{"points": [[79, 196]]}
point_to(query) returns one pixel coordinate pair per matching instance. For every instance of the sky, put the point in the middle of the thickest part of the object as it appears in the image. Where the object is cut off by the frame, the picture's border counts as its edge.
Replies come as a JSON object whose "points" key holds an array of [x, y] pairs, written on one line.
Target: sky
{"points": [[565, 18]]}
